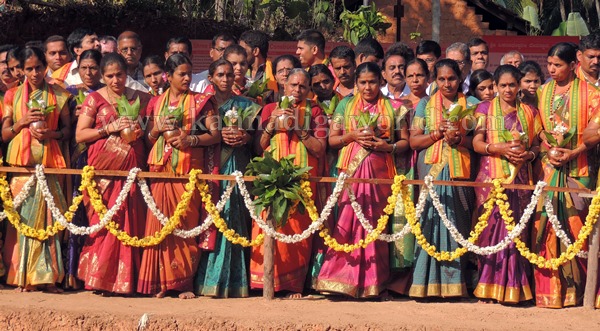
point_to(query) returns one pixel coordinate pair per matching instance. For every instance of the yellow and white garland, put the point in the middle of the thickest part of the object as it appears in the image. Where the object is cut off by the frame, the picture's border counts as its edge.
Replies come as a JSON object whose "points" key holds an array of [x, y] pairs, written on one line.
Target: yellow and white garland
{"points": [[332, 243], [196, 231], [497, 197], [220, 223], [298, 237], [496, 193], [571, 251]]}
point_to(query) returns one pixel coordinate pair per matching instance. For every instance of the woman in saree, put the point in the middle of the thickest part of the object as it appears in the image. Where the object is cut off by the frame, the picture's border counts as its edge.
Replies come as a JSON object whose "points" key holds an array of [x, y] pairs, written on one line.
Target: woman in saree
{"points": [[402, 255], [481, 85], [307, 141], [154, 72], [566, 105], [416, 74], [172, 264], [504, 276], [106, 265], [89, 71], [531, 80], [35, 264], [238, 58], [223, 272], [365, 152], [282, 66], [444, 154]]}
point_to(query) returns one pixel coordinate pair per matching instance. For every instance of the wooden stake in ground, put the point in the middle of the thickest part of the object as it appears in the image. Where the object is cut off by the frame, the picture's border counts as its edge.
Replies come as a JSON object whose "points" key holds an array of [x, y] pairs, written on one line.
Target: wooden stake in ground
{"points": [[589, 297], [269, 261]]}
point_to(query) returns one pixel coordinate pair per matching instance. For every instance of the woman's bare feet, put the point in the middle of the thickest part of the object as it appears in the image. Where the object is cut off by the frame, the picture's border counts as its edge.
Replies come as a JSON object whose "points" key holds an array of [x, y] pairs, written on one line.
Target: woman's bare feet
{"points": [[28, 288], [186, 295], [160, 294], [50, 288], [294, 296]]}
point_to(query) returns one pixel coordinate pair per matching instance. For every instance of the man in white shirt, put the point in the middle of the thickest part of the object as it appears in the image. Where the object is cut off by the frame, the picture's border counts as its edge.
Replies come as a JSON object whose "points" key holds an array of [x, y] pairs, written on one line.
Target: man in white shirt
{"points": [[219, 43], [394, 66], [79, 40]]}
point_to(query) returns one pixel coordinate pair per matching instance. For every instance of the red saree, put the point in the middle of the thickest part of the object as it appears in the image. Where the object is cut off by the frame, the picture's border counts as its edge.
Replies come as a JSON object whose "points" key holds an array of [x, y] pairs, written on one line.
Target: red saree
{"points": [[106, 264], [171, 265], [291, 260]]}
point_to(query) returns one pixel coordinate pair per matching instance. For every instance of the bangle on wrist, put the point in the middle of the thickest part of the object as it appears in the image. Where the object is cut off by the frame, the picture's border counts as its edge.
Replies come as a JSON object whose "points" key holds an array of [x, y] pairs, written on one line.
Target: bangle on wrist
{"points": [[393, 148], [269, 132], [151, 136], [487, 149], [304, 135], [342, 140], [12, 129], [102, 132], [533, 156]]}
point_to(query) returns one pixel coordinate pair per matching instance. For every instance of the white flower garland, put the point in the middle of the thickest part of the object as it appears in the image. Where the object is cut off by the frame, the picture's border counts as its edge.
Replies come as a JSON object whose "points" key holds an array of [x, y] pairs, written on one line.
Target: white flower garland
{"points": [[504, 243], [196, 231], [18, 200], [314, 226], [83, 230], [386, 237], [560, 233]]}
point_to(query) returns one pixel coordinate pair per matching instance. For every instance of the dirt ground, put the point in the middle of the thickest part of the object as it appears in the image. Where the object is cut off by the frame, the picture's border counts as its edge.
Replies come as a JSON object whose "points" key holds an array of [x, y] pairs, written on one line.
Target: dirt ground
{"points": [[87, 311]]}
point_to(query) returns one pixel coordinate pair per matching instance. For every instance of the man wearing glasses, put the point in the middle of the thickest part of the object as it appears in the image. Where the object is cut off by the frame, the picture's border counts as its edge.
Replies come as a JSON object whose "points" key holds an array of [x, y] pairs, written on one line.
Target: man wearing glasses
{"points": [[429, 51], [219, 43], [129, 45], [460, 53]]}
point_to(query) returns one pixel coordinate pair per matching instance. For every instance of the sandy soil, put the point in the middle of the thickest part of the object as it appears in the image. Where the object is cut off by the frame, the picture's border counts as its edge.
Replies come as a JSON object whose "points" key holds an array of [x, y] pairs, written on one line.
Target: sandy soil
{"points": [[87, 311]]}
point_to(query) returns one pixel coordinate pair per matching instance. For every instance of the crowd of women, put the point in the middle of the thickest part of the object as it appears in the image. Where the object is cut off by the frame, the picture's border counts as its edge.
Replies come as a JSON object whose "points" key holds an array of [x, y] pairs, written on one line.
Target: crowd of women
{"points": [[512, 135]]}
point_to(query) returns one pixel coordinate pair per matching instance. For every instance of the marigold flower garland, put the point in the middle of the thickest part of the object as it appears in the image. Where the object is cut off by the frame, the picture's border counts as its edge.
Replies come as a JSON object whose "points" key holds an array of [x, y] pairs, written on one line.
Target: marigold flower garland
{"points": [[15, 219], [219, 222], [571, 251], [381, 222], [194, 232], [159, 236], [431, 249], [315, 226]]}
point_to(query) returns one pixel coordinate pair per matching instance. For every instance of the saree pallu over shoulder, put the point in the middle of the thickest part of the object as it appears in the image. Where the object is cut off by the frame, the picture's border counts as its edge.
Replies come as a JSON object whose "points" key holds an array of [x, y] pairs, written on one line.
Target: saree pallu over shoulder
{"points": [[495, 123], [460, 164], [193, 104], [348, 111], [284, 144], [19, 149], [584, 102]]}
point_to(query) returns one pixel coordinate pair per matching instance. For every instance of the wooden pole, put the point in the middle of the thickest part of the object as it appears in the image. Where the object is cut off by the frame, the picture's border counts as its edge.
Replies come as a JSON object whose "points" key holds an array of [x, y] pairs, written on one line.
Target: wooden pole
{"points": [[591, 284], [269, 261]]}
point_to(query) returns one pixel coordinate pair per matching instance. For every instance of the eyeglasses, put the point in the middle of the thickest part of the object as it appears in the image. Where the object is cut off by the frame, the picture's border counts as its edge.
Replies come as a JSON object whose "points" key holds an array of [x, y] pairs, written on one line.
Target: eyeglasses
{"points": [[429, 60], [129, 49], [220, 49], [462, 62], [284, 70]]}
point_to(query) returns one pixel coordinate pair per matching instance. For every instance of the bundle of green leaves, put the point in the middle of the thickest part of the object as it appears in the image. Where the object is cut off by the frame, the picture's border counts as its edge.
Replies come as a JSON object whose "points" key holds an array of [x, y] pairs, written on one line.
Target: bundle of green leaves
{"points": [[277, 185], [129, 110], [329, 108]]}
